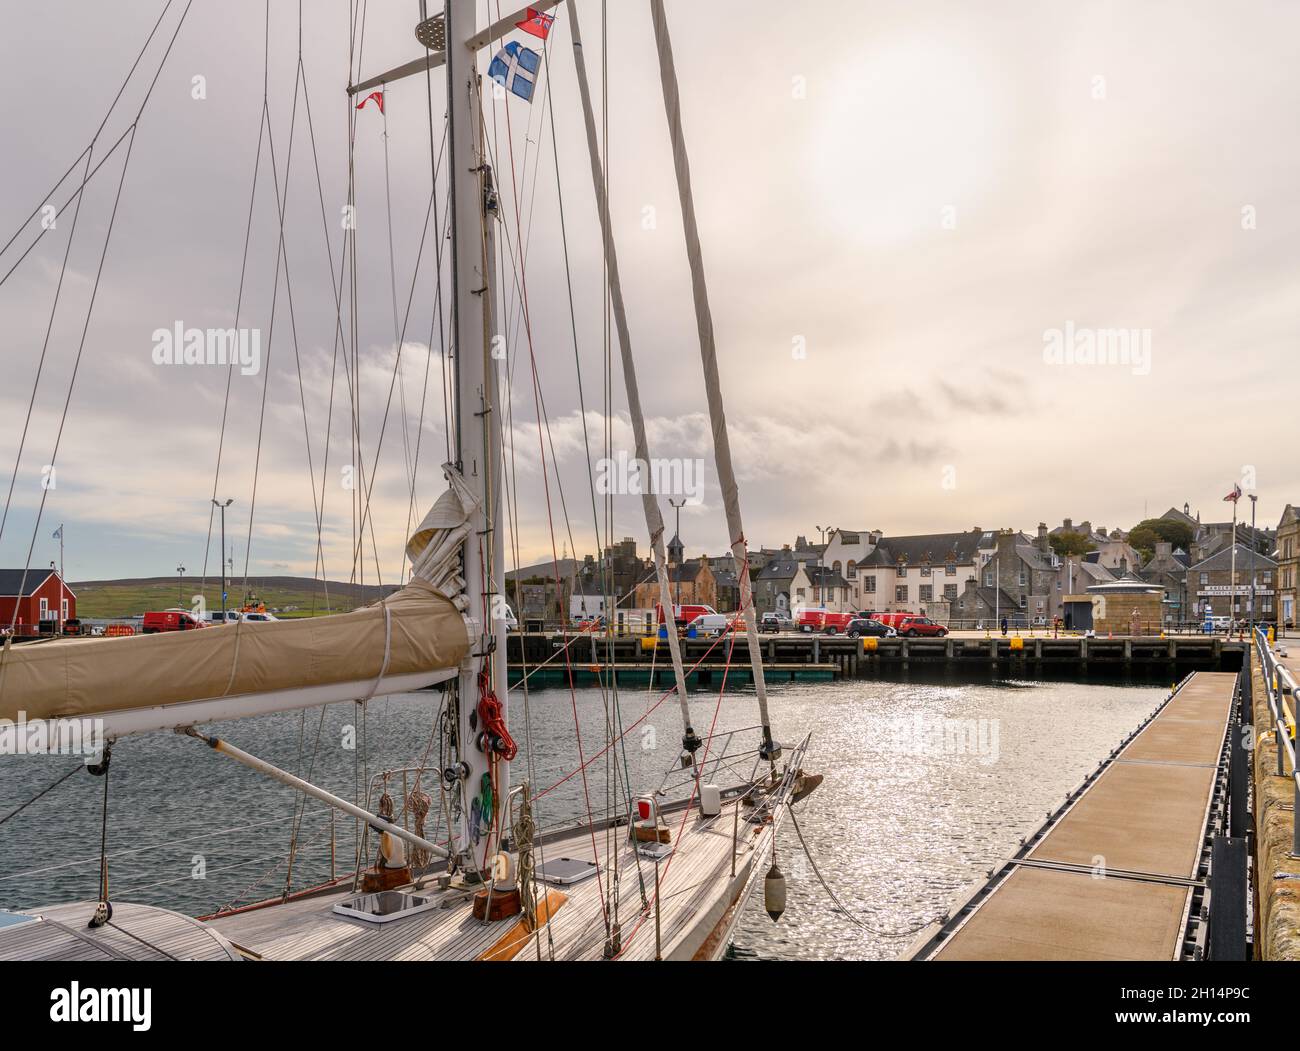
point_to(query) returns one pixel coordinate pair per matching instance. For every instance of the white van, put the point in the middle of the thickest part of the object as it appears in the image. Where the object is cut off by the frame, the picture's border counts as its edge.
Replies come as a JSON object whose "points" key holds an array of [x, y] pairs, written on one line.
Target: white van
{"points": [[713, 623]]}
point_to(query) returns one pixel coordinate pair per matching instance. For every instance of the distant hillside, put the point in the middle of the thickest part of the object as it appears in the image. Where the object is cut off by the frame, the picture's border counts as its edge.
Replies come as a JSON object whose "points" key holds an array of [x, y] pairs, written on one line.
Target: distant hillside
{"points": [[292, 596]]}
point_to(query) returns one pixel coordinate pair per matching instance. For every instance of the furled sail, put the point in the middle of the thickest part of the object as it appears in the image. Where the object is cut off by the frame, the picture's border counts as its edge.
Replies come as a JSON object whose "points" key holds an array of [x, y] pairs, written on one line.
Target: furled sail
{"points": [[415, 637]]}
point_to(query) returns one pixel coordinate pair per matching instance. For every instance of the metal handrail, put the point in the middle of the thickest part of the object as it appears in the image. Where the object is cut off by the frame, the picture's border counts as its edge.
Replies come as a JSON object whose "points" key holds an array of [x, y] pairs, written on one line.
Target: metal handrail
{"points": [[1278, 681]]}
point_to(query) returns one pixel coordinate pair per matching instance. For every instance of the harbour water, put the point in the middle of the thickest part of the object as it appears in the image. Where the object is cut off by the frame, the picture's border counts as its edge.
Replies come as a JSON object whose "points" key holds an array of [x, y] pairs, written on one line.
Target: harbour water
{"points": [[927, 785]]}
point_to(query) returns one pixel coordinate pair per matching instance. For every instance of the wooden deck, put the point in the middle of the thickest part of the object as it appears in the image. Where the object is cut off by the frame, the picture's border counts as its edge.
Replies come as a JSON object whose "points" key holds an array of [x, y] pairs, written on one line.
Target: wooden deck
{"points": [[137, 932], [1114, 876], [698, 904]]}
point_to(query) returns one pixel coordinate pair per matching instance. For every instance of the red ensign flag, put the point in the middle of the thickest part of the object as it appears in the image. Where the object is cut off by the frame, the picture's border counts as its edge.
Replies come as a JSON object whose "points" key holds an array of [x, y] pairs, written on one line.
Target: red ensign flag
{"points": [[378, 96], [536, 23]]}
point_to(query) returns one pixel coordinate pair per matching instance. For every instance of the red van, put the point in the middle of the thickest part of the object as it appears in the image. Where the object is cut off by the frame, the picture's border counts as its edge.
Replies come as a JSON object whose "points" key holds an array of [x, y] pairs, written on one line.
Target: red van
{"points": [[683, 615], [817, 619], [170, 620]]}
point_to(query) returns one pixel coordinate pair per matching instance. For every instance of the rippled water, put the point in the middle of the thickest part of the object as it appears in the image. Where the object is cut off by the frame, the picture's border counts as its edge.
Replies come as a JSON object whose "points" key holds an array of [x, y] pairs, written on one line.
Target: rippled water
{"points": [[907, 816]]}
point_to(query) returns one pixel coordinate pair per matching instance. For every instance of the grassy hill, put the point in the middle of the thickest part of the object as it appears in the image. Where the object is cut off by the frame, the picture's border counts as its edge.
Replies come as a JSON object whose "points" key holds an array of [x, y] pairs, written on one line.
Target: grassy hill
{"points": [[292, 596]]}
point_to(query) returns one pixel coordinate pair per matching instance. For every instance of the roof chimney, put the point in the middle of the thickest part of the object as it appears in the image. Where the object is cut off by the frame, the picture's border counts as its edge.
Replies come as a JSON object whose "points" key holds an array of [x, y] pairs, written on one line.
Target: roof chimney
{"points": [[1068, 525], [1042, 537]]}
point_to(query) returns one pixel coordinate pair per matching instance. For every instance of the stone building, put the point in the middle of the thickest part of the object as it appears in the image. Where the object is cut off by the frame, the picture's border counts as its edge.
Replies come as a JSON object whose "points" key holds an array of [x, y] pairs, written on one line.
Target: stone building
{"points": [[1288, 566], [774, 584], [924, 573], [1168, 569], [1214, 591]]}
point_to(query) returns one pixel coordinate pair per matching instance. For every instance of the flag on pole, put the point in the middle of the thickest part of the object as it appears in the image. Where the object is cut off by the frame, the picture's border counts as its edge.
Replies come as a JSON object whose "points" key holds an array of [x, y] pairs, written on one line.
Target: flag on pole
{"points": [[378, 96], [1235, 495], [515, 68], [536, 23], [58, 533]]}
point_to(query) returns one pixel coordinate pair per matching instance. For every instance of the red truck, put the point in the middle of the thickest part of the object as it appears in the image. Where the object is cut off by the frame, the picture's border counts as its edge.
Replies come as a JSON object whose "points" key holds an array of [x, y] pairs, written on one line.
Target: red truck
{"points": [[816, 619], [169, 620]]}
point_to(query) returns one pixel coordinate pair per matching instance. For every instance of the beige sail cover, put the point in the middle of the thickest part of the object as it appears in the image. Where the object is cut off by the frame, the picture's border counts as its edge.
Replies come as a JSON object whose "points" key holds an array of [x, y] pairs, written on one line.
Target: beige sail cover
{"points": [[419, 628]]}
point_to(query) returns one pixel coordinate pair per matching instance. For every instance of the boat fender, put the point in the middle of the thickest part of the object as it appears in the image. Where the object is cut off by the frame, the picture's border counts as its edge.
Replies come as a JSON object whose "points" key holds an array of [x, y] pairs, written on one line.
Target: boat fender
{"points": [[774, 892], [393, 851]]}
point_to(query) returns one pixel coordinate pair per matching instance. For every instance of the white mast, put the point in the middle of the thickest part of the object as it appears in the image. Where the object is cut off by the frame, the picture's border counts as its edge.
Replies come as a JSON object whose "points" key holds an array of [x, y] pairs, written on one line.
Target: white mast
{"points": [[654, 519], [477, 445], [708, 352]]}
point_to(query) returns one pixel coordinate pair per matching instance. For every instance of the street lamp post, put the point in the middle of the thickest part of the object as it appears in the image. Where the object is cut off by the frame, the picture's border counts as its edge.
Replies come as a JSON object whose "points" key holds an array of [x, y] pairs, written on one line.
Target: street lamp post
{"points": [[180, 585], [677, 506], [222, 508]]}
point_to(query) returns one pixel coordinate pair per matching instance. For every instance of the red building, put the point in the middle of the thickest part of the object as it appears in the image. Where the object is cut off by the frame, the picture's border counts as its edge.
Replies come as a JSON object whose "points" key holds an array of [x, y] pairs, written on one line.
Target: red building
{"points": [[44, 597]]}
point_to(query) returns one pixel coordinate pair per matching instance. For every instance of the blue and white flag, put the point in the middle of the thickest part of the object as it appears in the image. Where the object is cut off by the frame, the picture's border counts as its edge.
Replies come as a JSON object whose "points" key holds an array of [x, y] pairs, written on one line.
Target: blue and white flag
{"points": [[515, 68]]}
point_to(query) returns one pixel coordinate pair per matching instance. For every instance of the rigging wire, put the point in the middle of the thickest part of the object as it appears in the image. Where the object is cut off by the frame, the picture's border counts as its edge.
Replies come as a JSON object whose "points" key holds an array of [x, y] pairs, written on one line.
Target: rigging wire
{"points": [[94, 292], [89, 147]]}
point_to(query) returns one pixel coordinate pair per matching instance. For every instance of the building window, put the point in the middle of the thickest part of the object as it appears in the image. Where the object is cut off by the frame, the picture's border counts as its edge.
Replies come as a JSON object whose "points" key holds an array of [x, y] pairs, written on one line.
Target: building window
{"points": [[927, 592], [902, 571], [869, 584], [45, 609], [950, 591], [988, 580], [925, 571], [1205, 579], [1023, 602], [900, 593], [1020, 578], [853, 570], [950, 570]]}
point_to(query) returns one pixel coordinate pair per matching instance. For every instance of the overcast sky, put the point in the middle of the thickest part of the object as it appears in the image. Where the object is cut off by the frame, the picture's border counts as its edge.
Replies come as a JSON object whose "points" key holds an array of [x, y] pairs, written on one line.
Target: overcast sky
{"points": [[915, 194]]}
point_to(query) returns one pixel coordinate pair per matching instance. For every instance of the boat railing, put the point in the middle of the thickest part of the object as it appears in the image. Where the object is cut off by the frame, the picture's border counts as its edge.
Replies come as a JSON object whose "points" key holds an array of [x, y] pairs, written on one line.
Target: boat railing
{"points": [[1278, 682]]}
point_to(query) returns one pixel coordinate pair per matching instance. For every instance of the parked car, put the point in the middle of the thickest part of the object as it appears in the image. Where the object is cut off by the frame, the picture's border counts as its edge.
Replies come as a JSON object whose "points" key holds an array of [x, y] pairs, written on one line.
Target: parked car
{"points": [[860, 626], [775, 622], [157, 621], [912, 626], [257, 615]]}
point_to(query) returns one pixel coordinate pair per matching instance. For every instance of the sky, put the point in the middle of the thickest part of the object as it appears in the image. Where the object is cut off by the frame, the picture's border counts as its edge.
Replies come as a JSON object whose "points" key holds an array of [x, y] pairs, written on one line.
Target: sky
{"points": [[970, 265]]}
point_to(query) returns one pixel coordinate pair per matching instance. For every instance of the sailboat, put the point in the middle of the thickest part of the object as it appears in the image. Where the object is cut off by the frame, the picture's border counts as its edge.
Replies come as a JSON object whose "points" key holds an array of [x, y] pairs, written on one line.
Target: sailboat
{"points": [[665, 875]]}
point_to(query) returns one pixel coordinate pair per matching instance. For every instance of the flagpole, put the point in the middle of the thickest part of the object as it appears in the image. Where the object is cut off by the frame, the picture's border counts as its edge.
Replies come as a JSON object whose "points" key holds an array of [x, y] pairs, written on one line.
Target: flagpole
{"points": [[1232, 572], [60, 578]]}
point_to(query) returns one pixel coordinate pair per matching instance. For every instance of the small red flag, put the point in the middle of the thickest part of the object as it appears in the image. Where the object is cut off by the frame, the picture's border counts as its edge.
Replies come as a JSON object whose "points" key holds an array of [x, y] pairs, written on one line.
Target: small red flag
{"points": [[536, 23], [1235, 495], [378, 96]]}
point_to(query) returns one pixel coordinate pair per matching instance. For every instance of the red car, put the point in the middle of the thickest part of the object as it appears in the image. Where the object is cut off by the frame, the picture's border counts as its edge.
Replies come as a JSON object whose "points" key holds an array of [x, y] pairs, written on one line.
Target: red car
{"points": [[911, 627]]}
